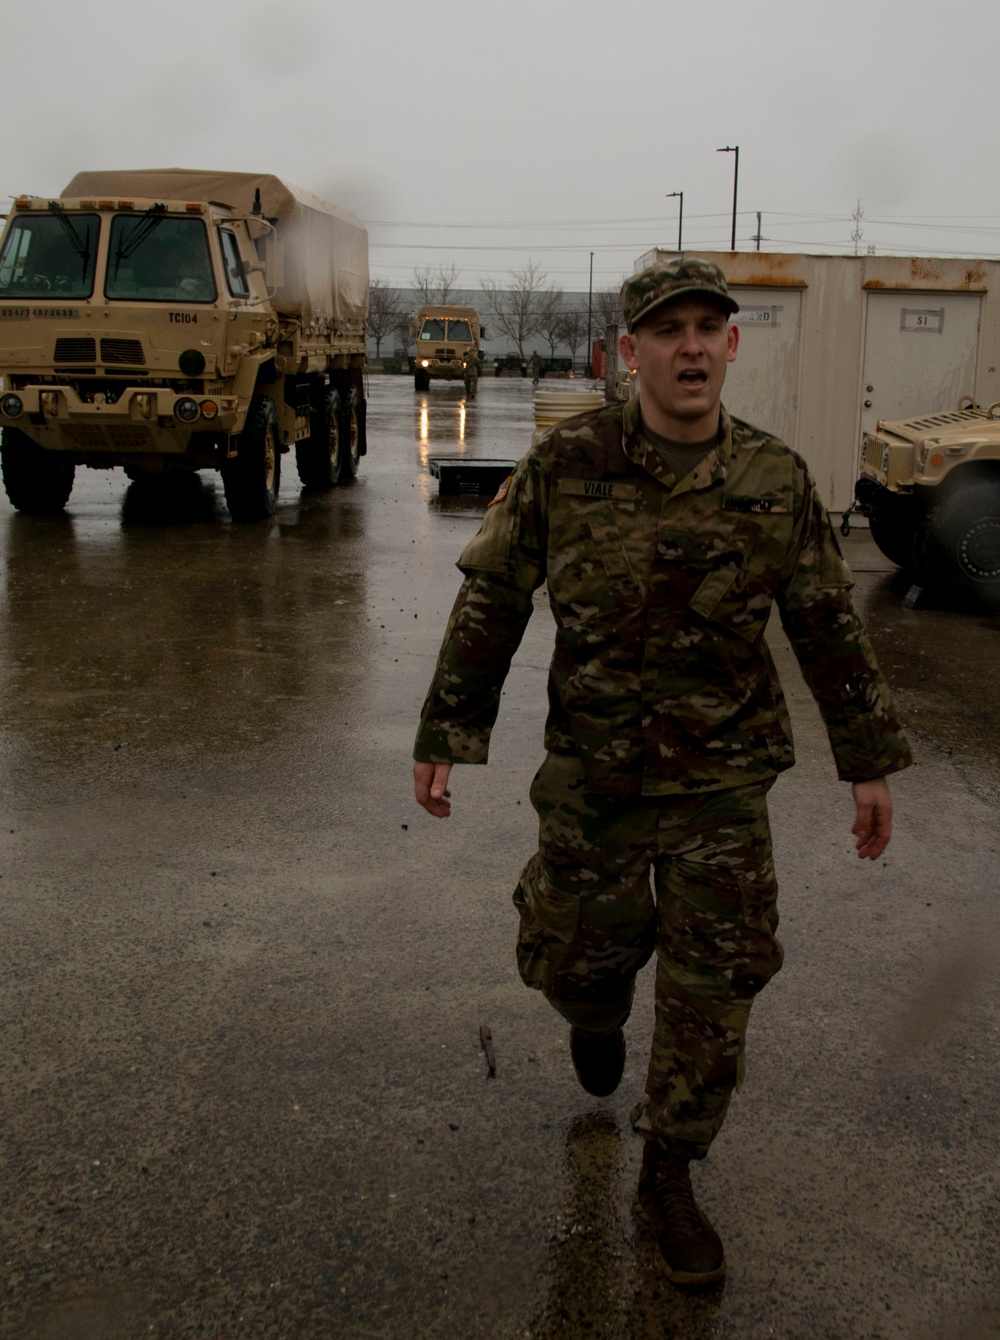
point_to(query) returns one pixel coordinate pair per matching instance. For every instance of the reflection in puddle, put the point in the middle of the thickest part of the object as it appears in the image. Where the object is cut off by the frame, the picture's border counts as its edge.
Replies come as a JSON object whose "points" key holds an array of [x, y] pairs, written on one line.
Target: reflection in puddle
{"points": [[445, 416]]}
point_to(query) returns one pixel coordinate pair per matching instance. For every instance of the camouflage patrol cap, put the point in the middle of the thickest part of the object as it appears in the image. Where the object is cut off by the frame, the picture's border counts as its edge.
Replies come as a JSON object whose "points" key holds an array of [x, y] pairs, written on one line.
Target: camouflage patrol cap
{"points": [[675, 278]]}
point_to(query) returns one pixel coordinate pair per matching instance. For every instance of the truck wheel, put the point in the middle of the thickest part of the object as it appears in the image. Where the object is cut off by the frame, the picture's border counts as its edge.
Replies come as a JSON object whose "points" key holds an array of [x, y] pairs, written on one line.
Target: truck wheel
{"points": [[959, 544], [37, 482], [893, 523], [320, 458], [252, 480], [352, 436], [421, 381]]}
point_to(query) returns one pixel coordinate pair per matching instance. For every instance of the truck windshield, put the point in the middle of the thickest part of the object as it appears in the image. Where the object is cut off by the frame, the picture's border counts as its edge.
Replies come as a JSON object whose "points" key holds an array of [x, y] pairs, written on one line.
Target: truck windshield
{"points": [[49, 256], [156, 258], [434, 329]]}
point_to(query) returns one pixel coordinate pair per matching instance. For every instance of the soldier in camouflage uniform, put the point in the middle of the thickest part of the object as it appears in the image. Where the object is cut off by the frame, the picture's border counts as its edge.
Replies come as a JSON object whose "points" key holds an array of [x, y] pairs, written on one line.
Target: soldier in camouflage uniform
{"points": [[664, 529]]}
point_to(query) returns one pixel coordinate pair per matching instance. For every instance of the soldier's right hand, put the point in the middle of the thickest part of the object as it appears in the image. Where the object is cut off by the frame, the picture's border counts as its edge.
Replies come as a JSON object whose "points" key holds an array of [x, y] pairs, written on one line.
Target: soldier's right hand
{"points": [[430, 786]]}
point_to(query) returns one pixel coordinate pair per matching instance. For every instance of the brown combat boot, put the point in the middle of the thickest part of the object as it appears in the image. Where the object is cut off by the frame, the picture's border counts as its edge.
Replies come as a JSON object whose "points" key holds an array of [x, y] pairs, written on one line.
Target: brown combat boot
{"points": [[598, 1059], [691, 1251]]}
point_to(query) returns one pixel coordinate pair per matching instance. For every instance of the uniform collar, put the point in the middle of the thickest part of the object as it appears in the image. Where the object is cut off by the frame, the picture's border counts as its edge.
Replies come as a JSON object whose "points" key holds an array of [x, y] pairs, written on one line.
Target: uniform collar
{"points": [[710, 471]]}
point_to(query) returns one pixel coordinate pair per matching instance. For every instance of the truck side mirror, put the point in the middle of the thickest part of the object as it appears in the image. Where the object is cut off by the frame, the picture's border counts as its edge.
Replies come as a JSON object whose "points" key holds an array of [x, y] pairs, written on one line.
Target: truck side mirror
{"points": [[274, 262]]}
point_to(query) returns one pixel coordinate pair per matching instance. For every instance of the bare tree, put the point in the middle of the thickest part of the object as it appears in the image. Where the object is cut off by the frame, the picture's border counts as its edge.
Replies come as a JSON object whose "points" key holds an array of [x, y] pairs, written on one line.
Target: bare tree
{"points": [[551, 318], [574, 330], [607, 309], [516, 309], [446, 281], [435, 289], [404, 330], [384, 311]]}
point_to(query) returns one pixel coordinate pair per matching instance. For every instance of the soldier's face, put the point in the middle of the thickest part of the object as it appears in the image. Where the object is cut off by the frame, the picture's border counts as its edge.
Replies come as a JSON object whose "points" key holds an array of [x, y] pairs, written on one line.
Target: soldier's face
{"points": [[681, 352]]}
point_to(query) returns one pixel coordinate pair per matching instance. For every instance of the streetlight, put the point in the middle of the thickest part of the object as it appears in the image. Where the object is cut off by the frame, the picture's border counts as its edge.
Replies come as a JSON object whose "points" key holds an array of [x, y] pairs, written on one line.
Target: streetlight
{"points": [[729, 149], [680, 216]]}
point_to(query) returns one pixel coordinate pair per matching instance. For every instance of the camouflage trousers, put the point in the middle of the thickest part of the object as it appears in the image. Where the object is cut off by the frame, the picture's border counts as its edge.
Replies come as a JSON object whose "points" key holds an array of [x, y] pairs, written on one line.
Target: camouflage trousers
{"points": [[691, 877]]}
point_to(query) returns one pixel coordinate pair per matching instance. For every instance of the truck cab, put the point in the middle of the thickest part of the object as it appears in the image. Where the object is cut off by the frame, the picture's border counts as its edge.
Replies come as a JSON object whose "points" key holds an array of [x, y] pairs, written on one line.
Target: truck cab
{"points": [[448, 349]]}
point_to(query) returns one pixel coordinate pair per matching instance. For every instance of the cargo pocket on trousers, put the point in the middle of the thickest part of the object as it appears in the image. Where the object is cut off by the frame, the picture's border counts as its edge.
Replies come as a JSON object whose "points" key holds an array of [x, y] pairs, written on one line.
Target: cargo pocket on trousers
{"points": [[549, 920]]}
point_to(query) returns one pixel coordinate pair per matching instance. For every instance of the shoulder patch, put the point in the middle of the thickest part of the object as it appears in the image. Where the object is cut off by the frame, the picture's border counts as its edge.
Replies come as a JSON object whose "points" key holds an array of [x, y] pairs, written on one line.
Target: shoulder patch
{"points": [[501, 492]]}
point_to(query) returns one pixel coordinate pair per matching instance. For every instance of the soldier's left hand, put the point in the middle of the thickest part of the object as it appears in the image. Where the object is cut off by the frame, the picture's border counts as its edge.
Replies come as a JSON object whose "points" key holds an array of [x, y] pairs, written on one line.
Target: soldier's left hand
{"points": [[873, 824]]}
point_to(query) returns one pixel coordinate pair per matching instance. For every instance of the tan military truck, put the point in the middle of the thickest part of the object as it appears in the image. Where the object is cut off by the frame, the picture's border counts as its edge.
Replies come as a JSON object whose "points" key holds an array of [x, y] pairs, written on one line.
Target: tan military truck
{"points": [[447, 347], [930, 487], [177, 321]]}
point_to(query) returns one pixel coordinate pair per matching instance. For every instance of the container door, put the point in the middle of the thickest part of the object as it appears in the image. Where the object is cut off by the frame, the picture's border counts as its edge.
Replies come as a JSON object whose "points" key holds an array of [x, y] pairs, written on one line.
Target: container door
{"points": [[919, 355], [762, 385]]}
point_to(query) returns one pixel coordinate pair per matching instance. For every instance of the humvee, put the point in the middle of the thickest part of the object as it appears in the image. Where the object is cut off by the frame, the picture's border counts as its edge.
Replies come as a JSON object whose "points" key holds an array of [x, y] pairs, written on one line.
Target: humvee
{"points": [[930, 487]]}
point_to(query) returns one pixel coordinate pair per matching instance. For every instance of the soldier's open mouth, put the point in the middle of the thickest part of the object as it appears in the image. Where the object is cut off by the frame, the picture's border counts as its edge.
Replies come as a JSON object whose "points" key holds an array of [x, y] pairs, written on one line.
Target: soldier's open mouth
{"points": [[693, 378]]}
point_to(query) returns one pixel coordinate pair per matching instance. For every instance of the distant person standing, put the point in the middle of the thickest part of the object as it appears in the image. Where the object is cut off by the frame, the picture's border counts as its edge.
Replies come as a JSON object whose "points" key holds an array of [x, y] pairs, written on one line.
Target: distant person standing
{"points": [[535, 366], [665, 530]]}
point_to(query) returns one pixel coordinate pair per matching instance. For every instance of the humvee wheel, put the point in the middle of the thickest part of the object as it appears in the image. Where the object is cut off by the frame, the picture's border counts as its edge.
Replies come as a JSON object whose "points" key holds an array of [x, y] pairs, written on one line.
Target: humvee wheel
{"points": [[893, 523], [960, 541], [320, 458], [352, 435], [37, 482], [421, 381], [252, 480]]}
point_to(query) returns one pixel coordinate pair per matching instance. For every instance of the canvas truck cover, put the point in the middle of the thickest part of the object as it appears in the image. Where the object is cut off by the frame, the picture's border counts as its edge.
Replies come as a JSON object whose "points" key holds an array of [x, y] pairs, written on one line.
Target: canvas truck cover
{"points": [[325, 247]]}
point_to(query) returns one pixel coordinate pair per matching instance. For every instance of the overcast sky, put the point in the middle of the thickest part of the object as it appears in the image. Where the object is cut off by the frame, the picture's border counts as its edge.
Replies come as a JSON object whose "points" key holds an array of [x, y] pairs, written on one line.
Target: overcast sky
{"points": [[490, 135]]}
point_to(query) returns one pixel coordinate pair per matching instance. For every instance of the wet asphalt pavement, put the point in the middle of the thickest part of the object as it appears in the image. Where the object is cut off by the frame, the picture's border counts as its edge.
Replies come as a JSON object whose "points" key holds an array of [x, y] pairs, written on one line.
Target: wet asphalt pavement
{"points": [[244, 975]]}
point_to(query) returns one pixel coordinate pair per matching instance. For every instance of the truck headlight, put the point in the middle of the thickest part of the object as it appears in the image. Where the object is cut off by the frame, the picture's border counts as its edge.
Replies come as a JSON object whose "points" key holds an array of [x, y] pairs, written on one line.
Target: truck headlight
{"points": [[425, 363], [11, 406], [186, 410]]}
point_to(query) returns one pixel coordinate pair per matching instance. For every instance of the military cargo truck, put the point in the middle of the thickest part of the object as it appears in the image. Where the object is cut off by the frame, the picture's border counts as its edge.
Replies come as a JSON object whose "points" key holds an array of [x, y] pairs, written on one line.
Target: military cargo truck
{"points": [[930, 487], [175, 320], [447, 347]]}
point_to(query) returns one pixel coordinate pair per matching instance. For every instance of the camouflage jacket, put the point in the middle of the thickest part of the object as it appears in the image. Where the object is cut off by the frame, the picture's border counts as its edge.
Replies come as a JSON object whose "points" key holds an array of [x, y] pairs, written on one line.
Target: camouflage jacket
{"points": [[661, 680]]}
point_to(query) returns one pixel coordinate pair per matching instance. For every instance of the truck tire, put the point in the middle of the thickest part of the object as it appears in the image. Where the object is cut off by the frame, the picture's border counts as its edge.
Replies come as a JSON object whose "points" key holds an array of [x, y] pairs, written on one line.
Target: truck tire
{"points": [[893, 524], [352, 435], [252, 480], [421, 381], [37, 482], [959, 542], [320, 458]]}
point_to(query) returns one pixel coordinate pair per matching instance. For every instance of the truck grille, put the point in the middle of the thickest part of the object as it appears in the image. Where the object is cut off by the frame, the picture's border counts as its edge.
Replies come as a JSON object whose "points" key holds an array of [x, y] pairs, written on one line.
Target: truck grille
{"points": [[876, 456], [75, 350], [121, 351]]}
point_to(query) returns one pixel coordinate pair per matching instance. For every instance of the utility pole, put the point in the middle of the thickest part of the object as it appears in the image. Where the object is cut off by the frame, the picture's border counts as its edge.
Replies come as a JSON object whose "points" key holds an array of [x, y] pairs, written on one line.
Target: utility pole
{"points": [[590, 301], [733, 149], [757, 238], [680, 216]]}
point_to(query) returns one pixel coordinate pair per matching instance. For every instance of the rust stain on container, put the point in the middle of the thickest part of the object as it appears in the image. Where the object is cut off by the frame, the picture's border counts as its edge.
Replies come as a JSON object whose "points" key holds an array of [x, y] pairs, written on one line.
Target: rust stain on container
{"points": [[767, 279], [923, 269], [972, 283]]}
